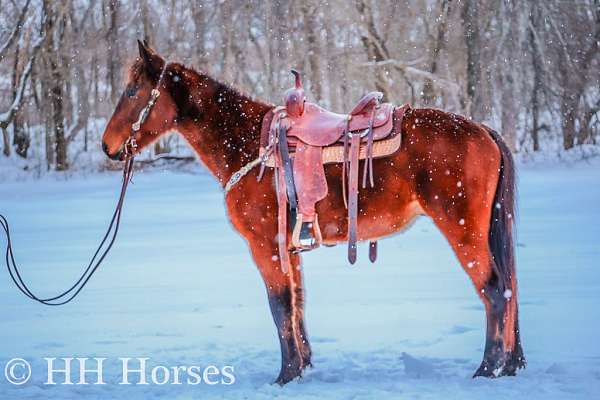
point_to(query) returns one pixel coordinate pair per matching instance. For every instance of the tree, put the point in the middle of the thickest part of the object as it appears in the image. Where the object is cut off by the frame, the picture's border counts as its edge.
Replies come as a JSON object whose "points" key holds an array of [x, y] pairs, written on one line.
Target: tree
{"points": [[19, 85]]}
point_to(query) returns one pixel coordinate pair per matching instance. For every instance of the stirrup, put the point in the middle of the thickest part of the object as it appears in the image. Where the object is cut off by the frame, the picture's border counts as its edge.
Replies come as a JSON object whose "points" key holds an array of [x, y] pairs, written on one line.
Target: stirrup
{"points": [[306, 235]]}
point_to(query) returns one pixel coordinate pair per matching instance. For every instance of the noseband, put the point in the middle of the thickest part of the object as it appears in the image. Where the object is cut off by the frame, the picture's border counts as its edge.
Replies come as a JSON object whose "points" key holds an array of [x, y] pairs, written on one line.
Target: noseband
{"points": [[68, 295]]}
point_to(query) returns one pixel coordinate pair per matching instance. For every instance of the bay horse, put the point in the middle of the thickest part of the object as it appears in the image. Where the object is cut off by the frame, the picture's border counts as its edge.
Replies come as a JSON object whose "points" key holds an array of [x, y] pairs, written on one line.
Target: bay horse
{"points": [[457, 172]]}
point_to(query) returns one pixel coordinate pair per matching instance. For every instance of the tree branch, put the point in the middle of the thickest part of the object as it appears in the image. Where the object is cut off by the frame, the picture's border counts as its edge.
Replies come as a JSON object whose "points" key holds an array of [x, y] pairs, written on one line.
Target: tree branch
{"points": [[404, 67], [7, 117], [15, 32]]}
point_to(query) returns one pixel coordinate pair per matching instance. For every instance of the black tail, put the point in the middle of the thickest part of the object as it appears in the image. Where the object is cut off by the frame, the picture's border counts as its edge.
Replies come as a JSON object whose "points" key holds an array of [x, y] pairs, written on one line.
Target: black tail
{"points": [[501, 235]]}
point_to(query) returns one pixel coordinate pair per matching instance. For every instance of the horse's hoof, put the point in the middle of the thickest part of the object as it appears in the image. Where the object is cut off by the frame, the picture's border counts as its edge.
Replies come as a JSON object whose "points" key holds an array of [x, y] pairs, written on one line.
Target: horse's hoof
{"points": [[286, 375], [485, 371], [285, 378], [505, 366]]}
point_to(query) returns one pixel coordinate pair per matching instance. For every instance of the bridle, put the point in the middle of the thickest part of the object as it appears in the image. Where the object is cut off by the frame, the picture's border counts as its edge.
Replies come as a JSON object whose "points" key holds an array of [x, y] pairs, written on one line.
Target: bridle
{"points": [[129, 151]]}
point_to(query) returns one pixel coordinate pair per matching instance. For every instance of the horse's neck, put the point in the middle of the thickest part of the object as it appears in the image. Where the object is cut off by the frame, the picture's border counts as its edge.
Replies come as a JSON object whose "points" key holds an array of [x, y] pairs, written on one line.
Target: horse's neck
{"points": [[226, 131]]}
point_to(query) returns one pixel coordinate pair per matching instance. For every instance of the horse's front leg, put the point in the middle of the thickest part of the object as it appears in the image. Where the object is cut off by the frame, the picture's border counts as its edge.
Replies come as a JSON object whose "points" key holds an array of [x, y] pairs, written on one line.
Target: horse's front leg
{"points": [[286, 299]]}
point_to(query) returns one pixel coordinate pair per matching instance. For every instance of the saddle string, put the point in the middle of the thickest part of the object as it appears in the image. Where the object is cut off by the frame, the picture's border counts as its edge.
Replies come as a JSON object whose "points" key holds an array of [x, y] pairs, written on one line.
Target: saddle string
{"points": [[68, 295]]}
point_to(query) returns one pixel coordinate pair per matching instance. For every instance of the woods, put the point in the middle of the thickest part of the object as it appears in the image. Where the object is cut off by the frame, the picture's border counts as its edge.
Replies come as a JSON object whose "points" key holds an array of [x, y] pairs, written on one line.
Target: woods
{"points": [[529, 69]]}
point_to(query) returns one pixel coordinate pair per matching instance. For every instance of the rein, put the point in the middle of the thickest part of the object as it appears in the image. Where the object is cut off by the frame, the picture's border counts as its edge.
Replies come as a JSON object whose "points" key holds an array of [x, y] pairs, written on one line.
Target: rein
{"points": [[110, 237]]}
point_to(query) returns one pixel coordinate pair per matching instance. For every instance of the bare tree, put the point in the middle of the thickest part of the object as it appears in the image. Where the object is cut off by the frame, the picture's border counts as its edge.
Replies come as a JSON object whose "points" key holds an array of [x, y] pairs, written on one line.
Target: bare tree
{"points": [[19, 84]]}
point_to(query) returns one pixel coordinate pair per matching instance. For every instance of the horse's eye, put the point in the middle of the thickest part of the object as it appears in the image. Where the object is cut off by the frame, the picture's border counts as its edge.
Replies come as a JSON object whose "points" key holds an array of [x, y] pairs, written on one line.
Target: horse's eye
{"points": [[131, 91]]}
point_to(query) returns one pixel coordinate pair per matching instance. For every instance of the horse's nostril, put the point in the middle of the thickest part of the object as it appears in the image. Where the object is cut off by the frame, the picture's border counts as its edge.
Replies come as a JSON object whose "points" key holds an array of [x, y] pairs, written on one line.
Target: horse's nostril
{"points": [[105, 149]]}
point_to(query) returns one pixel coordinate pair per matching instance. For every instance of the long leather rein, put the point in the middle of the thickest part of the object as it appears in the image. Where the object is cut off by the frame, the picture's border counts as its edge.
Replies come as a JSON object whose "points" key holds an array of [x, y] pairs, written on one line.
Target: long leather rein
{"points": [[110, 237]]}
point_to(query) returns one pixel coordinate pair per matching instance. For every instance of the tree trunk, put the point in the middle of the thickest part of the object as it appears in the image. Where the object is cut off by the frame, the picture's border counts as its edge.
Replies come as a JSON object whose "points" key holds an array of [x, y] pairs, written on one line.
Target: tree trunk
{"points": [[6, 137], [473, 44], [55, 26], [58, 119], [112, 38], [510, 50], [536, 59], [200, 27], [428, 96], [21, 139], [333, 74], [568, 124], [311, 33], [227, 33]]}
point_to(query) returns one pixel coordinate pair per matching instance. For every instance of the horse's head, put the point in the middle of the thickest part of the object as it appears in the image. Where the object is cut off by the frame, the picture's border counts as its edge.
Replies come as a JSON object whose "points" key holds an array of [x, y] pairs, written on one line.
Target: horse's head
{"points": [[144, 76]]}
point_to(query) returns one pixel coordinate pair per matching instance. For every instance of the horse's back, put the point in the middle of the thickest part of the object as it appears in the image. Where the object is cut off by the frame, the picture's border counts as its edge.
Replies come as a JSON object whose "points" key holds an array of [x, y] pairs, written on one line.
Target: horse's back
{"points": [[443, 157]]}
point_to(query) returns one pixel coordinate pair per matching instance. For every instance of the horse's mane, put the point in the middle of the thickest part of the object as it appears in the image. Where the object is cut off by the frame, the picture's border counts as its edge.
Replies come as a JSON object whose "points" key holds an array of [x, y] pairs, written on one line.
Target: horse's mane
{"points": [[136, 68]]}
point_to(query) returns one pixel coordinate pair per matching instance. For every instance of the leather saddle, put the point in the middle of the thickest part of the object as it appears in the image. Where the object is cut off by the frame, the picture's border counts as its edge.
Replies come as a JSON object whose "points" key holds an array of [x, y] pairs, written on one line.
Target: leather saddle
{"points": [[300, 137], [319, 127]]}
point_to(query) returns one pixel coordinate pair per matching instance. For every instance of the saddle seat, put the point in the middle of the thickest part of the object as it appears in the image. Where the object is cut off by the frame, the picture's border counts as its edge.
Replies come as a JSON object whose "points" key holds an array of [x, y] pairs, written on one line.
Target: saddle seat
{"points": [[320, 127]]}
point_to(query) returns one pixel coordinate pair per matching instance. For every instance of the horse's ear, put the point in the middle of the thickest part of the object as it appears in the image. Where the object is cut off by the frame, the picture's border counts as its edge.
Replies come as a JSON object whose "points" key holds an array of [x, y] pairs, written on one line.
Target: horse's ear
{"points": [[145, 53], [152, 61]]}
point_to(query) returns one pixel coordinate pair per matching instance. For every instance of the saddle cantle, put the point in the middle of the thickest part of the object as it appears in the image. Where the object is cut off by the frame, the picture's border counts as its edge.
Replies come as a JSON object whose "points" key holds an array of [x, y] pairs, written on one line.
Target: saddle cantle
{"points": [[299, 138]]}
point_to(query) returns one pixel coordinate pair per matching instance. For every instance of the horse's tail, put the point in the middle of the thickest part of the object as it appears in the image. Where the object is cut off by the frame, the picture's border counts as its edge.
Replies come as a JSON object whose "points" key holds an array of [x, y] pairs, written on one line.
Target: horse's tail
{"points": [[501, 234]]}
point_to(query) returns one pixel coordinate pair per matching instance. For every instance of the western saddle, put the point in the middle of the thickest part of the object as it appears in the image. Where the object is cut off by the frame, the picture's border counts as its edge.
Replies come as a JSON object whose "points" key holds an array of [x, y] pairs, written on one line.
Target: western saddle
{"points": [[297, 139]]}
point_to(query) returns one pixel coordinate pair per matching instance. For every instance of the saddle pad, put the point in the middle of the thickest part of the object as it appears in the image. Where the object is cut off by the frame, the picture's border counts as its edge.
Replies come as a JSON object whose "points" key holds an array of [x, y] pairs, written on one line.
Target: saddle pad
{"points": [[335, 154]]}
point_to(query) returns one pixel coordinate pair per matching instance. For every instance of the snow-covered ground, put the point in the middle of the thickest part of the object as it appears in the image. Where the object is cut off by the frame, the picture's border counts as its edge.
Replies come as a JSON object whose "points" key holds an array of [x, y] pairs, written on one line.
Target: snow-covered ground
{"points": [[181, 289]]}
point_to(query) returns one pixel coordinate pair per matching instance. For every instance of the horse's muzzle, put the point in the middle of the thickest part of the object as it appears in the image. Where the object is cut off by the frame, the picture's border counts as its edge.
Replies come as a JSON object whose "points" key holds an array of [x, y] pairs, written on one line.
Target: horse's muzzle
{"points": [[118, 156]]}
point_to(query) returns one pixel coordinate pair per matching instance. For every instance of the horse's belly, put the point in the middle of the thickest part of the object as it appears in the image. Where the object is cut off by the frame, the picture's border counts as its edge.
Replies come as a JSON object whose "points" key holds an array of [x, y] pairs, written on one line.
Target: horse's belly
{"points": [[374, 225]]}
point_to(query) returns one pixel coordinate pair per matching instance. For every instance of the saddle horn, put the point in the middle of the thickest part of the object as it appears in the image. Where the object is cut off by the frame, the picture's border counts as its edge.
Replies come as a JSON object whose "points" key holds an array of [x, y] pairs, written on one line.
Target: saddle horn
{"points": [[298, 81], [294, 98]]}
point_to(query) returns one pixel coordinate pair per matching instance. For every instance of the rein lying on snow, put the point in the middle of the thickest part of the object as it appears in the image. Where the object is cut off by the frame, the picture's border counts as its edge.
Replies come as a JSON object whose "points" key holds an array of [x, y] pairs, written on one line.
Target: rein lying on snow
{"points": [[113, 228], [99, 256]]}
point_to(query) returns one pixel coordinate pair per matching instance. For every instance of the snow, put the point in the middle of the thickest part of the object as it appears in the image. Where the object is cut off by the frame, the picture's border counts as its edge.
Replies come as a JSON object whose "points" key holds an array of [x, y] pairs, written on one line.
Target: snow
{"points": [[180, 288]]}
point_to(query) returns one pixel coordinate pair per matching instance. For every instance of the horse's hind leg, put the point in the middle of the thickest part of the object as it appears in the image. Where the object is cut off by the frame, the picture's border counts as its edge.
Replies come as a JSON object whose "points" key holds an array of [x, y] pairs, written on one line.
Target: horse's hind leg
{"points": [[468, 222], [503, 354], [286, 299]]}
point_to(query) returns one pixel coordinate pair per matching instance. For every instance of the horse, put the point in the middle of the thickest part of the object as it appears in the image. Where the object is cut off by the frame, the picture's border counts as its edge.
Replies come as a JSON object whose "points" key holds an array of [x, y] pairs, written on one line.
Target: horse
{"points": [[457, 172]]}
